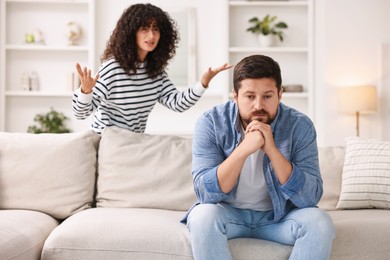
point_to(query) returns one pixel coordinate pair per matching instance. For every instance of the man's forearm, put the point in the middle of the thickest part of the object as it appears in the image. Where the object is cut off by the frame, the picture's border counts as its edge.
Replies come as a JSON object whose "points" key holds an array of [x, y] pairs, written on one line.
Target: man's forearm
{"points": [[229, 171], [281, 165]]}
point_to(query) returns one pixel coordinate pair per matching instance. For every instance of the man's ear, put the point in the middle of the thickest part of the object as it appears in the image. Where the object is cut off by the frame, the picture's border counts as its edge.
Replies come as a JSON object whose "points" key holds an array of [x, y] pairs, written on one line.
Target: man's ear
{"points": [[280, 94], [235, 96]]}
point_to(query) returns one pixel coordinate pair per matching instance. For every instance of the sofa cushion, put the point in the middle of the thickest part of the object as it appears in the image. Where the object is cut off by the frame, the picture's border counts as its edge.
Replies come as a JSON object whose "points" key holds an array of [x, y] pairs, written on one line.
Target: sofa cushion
{"points": [[144, 171], [23, 233], [331, 166], [366, 174], [51, 173], [361, 234], [139, 233]]}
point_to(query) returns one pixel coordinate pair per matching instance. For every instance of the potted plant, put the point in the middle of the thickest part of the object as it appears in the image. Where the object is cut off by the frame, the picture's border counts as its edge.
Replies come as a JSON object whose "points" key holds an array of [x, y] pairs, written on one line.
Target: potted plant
{"points": [[51, 122], [267, 29]]}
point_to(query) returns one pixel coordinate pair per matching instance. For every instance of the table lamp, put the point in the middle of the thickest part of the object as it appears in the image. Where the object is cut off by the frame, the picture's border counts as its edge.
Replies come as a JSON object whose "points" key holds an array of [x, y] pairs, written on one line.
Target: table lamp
{"points": [[357, 100]]}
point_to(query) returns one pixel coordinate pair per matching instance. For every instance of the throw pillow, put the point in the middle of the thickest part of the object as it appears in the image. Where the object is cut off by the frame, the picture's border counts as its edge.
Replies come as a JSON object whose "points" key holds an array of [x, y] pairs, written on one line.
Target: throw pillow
{"points": [[331, 164], [144, 171], [50, 173], [366, 174]]}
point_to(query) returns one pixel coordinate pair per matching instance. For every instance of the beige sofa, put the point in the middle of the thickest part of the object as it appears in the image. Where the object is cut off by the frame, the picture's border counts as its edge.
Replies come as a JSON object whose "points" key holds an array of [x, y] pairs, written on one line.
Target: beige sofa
{"points": [[122, 196]]}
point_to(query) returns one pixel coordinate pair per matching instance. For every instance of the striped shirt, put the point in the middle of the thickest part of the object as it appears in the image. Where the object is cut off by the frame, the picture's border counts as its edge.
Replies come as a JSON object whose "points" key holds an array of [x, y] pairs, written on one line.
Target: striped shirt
{"points": [[125, 101]]}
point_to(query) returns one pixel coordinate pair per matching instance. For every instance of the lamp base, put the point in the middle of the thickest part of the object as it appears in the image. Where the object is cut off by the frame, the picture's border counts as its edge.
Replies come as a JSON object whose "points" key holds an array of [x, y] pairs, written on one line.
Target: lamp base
{"points": [[357, 123]]}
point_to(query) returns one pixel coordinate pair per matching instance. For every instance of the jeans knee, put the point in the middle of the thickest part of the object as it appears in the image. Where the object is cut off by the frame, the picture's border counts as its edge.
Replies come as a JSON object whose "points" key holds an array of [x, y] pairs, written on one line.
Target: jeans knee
{"points": [[204, 218], [321, 224]]}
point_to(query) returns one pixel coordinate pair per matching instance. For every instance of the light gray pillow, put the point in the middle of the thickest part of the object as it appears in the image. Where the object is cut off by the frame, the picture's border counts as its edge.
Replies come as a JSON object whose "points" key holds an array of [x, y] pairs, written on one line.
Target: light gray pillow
{"points": [[144, 171], [331, 165], [50, 173]]}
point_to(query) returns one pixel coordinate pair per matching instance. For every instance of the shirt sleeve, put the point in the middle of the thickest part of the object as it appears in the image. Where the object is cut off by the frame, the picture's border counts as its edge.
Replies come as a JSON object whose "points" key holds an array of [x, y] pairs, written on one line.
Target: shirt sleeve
{"points": [[206, 157], [85, 104], [304, 187], [82, 104], [179, 101]]}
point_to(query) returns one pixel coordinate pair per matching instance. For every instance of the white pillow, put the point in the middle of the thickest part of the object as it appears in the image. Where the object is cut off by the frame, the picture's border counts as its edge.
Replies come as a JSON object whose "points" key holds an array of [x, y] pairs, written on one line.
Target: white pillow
{"points": [[144, 171], [366, 174], [51, 173]]}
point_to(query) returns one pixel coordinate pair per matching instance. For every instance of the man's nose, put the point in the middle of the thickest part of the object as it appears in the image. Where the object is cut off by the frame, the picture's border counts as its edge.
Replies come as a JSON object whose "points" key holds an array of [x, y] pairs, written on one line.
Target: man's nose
{"points": [[258, 103]]}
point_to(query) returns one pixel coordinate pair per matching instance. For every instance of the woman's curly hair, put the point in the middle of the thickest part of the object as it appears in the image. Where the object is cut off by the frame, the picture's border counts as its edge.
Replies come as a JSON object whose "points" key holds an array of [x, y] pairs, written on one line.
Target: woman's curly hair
{"points": [[122, 44]]}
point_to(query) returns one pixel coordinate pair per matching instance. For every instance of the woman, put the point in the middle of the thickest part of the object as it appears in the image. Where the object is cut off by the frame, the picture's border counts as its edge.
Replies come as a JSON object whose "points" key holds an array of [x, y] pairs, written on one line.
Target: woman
{"points": [[132, 76]]}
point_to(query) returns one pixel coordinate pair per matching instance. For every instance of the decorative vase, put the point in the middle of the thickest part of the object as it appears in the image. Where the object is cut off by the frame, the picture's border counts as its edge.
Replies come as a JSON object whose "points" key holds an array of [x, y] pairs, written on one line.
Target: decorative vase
{"points": [[266, 40], [74, 32]]}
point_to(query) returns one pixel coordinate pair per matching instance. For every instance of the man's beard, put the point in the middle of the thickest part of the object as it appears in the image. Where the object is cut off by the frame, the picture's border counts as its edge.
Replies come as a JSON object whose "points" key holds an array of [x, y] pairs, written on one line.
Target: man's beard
{"points": [[265, 117]]}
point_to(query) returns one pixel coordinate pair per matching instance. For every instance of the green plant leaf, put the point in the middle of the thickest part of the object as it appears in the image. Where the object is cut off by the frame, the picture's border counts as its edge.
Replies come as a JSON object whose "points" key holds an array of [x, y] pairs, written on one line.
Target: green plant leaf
{"points": [[267, 26], [51, 122], [281, 25]]}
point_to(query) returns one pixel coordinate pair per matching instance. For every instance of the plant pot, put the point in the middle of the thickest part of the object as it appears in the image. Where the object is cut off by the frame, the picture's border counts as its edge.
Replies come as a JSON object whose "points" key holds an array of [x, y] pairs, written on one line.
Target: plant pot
{"points": [[266, 40]]}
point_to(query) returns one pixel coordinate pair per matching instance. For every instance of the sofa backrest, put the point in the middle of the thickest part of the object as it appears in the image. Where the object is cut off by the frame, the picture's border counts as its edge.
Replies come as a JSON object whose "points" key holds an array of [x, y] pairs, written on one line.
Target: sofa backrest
{"points": [[56, 173], [154, 171], [144, 171], [50, 173]]}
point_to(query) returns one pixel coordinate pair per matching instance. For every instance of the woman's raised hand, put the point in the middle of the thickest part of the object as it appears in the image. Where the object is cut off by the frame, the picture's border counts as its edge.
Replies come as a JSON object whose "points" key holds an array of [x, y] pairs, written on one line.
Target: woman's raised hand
{"points": [[211, 72], [86, 79]]}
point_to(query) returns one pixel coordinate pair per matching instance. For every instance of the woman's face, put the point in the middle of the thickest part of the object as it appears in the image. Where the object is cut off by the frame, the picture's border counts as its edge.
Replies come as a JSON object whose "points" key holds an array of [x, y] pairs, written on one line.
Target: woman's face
{"points": [[147, 39]]}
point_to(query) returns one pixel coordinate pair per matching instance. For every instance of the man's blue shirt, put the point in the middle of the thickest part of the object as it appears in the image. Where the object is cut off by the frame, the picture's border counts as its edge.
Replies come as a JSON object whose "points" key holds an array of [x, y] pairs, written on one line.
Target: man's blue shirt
{"points": [[217, 134]]}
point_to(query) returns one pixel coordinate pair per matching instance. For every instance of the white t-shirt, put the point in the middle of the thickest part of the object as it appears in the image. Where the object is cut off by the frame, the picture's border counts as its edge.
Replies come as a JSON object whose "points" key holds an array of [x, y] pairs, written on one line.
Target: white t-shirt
{"points": [[252, 191]]}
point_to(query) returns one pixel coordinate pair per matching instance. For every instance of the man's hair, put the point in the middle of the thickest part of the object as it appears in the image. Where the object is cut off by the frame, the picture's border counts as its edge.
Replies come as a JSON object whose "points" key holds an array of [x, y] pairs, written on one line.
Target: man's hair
{"points": [[256, 67], [122, 44]]}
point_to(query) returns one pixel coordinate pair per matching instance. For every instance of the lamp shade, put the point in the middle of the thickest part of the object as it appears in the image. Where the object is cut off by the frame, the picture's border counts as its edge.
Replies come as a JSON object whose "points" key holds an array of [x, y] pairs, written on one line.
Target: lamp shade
{"points": [[362, 99]]}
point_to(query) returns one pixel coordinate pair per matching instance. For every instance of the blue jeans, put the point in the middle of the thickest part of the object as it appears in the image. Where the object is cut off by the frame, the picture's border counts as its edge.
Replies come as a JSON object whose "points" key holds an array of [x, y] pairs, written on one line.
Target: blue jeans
{"points": [[309, 230]]}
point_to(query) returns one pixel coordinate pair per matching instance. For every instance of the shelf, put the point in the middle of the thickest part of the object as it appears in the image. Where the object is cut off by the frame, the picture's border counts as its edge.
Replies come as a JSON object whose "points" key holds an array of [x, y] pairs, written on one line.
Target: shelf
{"points": [[295, 95], [42, 47], [270, 49], [287, 95], [294, 54], [52, 61], [268, 3], [37, 94], [49, 1]]}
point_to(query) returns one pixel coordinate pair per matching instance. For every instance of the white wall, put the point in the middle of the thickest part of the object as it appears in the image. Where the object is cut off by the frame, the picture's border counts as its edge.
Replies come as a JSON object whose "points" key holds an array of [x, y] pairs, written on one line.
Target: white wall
{"points": [[349, 36], [211, 47], [348, 39]]}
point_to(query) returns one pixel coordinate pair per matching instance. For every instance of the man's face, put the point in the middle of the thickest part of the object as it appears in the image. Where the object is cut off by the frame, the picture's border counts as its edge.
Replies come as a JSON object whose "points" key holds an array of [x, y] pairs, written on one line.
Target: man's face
{"points": [[257, 99]]}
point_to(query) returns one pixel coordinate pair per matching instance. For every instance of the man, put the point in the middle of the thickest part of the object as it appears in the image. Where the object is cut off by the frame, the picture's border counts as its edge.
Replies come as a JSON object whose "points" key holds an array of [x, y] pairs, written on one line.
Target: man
{"points": [[256, 171]]}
